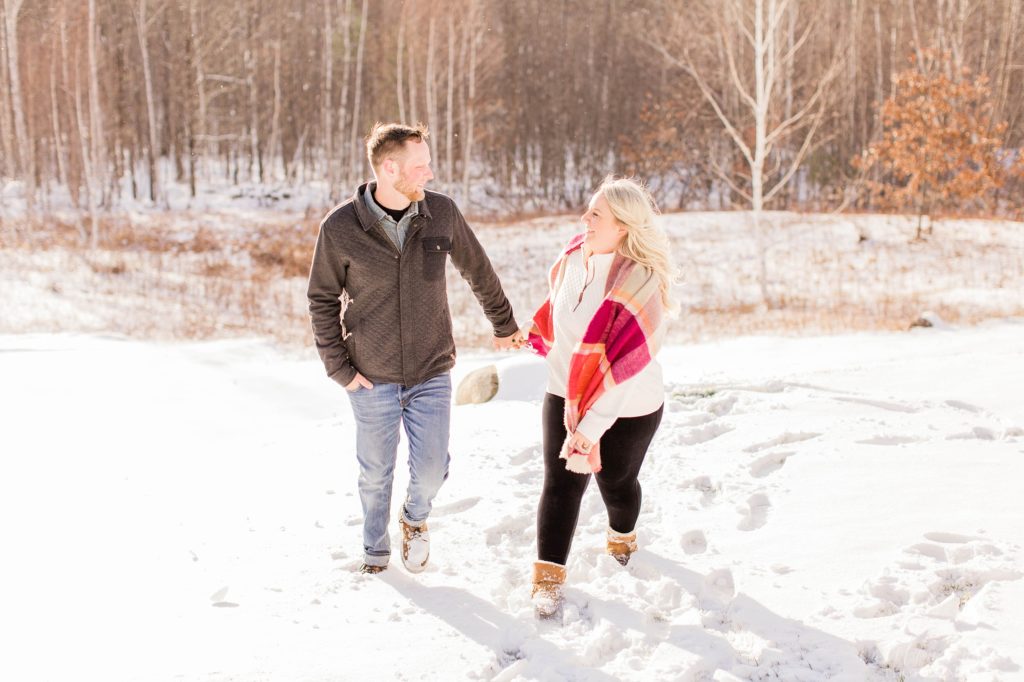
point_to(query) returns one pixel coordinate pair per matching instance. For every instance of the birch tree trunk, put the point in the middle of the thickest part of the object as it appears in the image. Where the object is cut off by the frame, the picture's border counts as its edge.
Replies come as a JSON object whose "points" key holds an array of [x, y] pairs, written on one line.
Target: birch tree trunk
{"points": [[326, 101], [250, 59], [343, 123], [449, 146], [1008, 44], [22, 140], [429, 81], [74, 184], [6, 122], [356, 159], [84, 137], [59, 150], [469, 106], [201, 130], [275, 150], [97, 156], [411, 74], [142, 26], [399, 58]]}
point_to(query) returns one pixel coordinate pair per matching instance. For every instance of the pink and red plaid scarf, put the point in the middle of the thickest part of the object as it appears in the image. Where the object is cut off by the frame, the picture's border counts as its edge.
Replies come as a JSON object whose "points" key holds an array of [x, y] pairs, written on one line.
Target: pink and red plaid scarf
{"points": [[619, 342]]}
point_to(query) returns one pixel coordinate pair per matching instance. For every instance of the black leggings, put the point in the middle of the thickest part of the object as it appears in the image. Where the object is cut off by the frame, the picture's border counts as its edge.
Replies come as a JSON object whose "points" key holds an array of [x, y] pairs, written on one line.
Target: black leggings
{"points": [[623, 447]]}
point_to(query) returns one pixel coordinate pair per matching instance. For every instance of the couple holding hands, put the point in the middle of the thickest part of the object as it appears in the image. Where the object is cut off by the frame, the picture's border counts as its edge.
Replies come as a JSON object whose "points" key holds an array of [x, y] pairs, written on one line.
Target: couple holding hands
{"points": [[381, 324]]}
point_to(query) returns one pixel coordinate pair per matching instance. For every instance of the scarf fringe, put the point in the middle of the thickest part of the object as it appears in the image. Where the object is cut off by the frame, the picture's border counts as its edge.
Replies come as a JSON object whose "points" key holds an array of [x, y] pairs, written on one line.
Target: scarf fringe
{"points": [[577, 464]]}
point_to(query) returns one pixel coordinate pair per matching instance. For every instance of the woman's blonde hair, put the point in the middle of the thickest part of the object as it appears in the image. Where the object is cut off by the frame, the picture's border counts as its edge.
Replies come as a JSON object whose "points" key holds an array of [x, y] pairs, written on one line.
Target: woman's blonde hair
{"points": [[645, 242]]}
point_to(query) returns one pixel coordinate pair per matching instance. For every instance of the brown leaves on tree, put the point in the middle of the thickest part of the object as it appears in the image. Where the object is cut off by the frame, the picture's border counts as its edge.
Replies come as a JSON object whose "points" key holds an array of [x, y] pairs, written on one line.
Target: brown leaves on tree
{"points": [[939, 148]]}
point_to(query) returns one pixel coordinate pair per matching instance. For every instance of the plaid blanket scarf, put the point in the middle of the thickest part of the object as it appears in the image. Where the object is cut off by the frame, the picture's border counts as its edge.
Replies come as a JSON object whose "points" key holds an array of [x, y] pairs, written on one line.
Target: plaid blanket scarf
{"points": [[618, 344]]}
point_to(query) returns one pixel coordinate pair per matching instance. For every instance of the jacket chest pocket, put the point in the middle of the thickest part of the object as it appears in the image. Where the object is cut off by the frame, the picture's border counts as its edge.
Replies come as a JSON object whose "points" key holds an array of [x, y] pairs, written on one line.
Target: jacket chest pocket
{"points": [[435, 255]]}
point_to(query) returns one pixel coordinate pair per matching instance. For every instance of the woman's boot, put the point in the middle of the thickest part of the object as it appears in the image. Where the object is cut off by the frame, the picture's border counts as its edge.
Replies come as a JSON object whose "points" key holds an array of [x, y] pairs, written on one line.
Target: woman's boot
{"points": [[548, 579], [621, 545]]}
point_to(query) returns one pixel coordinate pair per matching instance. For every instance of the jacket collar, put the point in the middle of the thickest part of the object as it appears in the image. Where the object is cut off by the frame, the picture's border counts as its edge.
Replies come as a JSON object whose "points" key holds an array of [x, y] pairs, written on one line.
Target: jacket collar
{"points": [[367, 218]]}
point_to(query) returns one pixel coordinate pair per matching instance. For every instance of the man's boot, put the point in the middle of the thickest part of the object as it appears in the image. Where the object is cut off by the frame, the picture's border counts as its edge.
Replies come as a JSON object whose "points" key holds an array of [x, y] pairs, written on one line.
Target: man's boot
{"points": [[548, 579], [621, 545], [415, 546]]}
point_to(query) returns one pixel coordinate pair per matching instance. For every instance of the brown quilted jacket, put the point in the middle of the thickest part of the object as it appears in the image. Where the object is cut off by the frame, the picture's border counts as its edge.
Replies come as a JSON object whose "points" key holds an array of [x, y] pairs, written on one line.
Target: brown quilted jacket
{"points": [[397, 327]]}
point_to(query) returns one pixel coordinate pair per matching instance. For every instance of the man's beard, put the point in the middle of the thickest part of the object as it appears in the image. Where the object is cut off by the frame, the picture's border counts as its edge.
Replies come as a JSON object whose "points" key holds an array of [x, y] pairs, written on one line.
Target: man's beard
{"points": [[409, 189]]}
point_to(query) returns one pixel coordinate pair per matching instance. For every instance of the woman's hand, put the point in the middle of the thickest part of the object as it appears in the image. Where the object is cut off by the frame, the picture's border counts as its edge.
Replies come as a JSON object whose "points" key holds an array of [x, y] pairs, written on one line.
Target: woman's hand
{"points": [[580, 442]]}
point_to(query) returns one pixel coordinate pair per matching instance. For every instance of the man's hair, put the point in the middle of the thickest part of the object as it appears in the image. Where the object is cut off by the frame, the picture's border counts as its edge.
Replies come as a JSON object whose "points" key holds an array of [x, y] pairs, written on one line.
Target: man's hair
{"points": [[385, 139]]}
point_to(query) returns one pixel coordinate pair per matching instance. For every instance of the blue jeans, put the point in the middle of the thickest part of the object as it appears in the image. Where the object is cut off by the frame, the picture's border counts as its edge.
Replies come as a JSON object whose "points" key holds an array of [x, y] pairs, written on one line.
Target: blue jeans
{"points": [[425, 411]]}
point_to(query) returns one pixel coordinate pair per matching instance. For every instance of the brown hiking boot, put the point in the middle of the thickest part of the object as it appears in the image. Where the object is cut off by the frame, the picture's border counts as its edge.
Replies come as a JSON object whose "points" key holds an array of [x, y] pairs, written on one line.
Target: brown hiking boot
{"points": [[621, 545], [373, 570], [548, 579], [415, 546]]}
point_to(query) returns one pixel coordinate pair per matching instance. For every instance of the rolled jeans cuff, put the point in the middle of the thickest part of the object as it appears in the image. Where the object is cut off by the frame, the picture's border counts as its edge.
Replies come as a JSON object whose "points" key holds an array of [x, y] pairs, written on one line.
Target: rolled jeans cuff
{"points": [[376, 559], [410, 522]]}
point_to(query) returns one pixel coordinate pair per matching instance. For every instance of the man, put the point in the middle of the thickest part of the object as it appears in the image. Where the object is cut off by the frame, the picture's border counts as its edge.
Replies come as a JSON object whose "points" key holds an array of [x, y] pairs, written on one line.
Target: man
{"points": [[382, 326]]}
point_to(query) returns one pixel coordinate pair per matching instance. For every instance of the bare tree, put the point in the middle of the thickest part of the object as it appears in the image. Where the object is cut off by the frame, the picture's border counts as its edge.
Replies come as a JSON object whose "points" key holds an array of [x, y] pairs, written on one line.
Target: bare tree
{"points": [[449, 127], [142, 24], [327, 100], [428, 84], [356, 160], [274, 148], [6, 122], [23, 141], [89, 133], [759, 32], [399, 58], [473, 37]]}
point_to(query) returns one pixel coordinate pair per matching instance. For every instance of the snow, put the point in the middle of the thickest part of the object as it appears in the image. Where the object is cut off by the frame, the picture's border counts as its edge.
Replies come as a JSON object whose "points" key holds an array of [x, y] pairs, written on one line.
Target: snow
{"points": [[844, 507]]}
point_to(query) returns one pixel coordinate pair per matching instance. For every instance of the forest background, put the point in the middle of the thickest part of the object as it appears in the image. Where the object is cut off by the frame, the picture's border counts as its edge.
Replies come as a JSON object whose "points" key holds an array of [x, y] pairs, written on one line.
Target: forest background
{"points": [[128, 126]]}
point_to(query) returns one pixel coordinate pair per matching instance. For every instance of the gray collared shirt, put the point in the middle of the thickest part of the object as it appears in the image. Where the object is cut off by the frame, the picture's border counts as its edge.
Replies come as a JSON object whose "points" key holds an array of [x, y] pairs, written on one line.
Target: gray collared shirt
{"points": [[396, 231]]}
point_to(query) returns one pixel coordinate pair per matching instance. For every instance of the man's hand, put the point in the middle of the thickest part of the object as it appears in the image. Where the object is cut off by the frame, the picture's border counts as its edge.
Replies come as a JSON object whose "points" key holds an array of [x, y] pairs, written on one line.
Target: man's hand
{"points": [[360, 380], [514, 342]]}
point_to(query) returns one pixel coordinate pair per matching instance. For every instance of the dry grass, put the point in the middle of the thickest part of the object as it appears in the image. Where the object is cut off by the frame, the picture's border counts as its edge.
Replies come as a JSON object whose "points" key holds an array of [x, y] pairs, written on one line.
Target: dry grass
{"points": [[207, 278]]}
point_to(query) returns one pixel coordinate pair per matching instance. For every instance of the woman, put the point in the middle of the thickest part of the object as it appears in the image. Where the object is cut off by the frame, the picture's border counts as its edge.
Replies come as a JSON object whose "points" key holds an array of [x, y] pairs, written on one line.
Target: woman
{"points": [[600, 329]]}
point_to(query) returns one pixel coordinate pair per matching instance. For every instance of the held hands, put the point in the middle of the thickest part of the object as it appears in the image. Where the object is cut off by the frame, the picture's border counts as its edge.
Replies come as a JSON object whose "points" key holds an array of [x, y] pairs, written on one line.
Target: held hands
{"points": [[514, 342], [359, 381], [580, 442]]}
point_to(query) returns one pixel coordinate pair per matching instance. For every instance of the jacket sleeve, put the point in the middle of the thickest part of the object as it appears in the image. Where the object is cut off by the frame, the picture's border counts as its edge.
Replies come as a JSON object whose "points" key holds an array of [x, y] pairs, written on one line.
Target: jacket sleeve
{"points": [[475, 267], [326, 284], [603, 413]]}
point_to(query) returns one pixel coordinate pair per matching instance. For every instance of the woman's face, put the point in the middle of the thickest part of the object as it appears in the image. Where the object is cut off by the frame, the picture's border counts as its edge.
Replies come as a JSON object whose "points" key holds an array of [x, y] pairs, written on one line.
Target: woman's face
{"points": [[604, 233]]}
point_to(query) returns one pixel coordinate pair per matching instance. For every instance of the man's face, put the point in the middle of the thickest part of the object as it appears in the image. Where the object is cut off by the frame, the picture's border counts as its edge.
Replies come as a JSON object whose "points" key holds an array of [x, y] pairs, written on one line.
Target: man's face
{"points": [[413, 170]]}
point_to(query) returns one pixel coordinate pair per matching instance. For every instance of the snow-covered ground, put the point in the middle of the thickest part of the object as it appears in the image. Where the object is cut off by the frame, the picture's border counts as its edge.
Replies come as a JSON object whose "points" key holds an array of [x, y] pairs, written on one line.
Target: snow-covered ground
{"points": [[843, 508]]}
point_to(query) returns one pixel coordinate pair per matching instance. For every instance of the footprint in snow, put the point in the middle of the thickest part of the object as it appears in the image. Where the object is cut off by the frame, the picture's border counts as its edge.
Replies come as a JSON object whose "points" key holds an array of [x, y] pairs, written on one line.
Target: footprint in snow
{"points": [[888, 440], [967, 407], [938, 579], [951, 538], [513, 528], [709, 490], [881, 404], [755, 512], [701, 434], [717, 590], [978, 432], [694, 542], [769, 464], [217, 599], [784, 439], [530, 453]]}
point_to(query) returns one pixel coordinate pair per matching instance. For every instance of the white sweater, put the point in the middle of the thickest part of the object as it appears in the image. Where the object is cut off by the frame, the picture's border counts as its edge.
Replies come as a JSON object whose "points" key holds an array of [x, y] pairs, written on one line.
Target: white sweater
{"points": [[578, 297]]}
